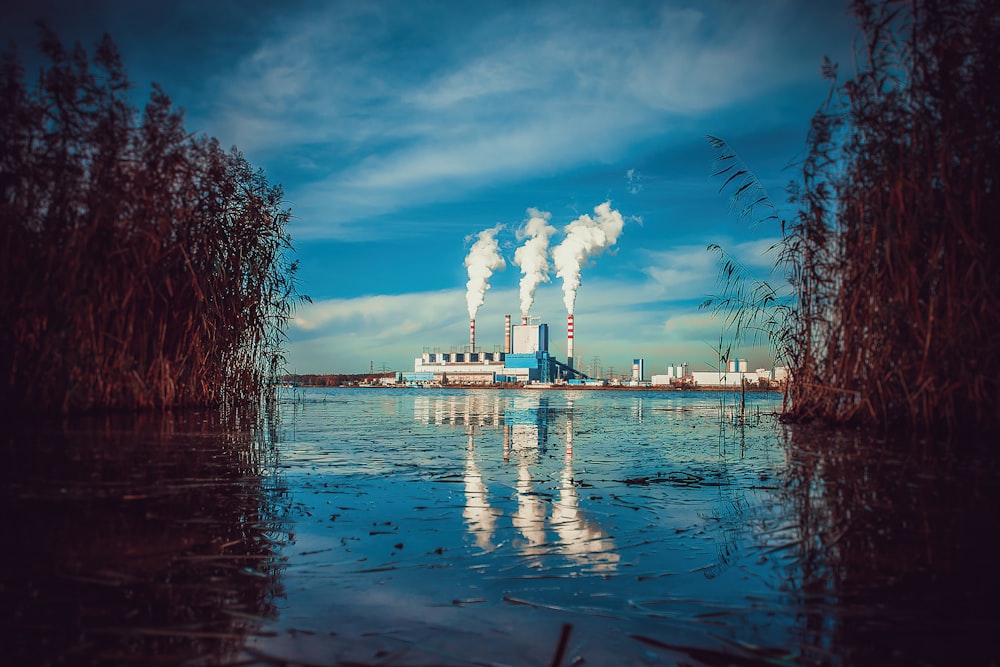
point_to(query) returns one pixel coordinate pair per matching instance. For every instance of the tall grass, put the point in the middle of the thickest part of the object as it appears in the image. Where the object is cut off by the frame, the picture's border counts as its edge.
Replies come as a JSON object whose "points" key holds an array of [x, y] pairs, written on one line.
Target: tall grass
{"points": [[893, 253], [140, 266]]}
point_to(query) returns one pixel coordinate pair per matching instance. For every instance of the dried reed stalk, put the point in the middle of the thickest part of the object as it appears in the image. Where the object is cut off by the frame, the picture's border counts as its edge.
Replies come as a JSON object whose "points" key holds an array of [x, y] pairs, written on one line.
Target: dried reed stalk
{"points": [[893, 256], [141, 266]]}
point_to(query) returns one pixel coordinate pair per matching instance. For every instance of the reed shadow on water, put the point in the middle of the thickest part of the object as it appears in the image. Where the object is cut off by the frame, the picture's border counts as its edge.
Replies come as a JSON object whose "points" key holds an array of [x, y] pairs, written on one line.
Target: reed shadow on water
{"points": [[895, 549], [136, 536]]}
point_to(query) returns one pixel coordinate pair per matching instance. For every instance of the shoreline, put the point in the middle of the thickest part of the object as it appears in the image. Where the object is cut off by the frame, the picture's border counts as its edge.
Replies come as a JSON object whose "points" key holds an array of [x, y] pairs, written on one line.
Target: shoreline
{"points": [[555, 387]]}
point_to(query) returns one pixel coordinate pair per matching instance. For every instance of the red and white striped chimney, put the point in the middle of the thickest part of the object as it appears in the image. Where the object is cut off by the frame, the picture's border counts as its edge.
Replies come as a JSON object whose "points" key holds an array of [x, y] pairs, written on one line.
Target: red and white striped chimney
{"points": [[472, 335], [569, 340], [506, 334]]}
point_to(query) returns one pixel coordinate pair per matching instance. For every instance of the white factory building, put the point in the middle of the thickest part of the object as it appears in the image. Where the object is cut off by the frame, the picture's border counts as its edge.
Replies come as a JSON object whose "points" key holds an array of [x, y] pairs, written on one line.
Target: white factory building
{"points": [[734, 374]]}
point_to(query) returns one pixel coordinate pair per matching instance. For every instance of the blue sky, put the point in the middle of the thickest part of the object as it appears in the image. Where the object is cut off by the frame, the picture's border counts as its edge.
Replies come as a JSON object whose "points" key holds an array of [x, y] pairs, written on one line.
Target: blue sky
{"points": [[400, 130]]}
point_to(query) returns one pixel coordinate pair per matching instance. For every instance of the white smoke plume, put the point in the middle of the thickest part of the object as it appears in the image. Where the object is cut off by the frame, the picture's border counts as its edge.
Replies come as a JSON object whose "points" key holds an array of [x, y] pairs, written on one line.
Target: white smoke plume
{"points": [[586, 237], [532, 257], [483, 259]]}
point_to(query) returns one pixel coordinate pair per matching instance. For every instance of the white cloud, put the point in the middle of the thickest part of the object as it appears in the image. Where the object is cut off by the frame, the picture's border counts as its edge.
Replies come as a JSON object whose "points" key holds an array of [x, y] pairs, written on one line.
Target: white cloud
{"points": [[556, 92]]}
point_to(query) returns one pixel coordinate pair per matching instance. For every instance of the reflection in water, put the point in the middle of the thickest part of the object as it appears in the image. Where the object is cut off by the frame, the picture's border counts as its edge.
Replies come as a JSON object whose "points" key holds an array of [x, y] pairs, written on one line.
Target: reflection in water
{"points": [[137, 536], [803, 550], [478, 513], [895, 551], [528, 421], [523, 421], [473, 408], [530, 516], [582, 538]]}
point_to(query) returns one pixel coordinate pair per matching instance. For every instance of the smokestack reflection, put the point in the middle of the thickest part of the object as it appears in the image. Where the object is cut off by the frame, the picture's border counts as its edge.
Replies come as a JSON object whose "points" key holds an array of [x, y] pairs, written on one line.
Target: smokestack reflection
{"points": [[520, 426], [479, 516], [582, 539], [530, 515]]}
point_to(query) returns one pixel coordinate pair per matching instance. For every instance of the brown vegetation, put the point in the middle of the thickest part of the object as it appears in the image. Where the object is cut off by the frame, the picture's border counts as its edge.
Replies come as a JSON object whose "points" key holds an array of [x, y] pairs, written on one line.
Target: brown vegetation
{"points": [[893, 256], [140, 266]]}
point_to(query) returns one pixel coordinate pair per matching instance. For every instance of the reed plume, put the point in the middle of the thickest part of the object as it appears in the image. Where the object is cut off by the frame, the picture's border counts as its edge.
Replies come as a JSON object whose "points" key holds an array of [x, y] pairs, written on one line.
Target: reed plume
{"points": [[142, 266]]}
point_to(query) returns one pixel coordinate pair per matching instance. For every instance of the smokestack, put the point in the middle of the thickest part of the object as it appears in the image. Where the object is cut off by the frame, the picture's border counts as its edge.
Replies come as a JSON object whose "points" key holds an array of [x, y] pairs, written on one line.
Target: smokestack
{"points": [[569, 340], [524, 320], [472, 335], [506, 334]]}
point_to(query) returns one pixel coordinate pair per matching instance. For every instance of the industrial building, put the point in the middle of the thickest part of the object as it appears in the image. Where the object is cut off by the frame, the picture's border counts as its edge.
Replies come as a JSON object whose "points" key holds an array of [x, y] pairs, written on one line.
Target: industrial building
{"points": [[735, 374], [525, 358], [676, 374], [638, 370]]}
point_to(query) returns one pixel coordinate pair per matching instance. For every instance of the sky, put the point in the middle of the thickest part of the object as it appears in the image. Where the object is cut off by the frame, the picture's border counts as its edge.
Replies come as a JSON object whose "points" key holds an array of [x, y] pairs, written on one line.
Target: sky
{"points": [[402, 130]]}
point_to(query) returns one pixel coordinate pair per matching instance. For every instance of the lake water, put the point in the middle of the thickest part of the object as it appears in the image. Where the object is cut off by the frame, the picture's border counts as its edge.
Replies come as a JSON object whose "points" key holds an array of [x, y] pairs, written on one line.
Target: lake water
{"points": [[494, 527]]}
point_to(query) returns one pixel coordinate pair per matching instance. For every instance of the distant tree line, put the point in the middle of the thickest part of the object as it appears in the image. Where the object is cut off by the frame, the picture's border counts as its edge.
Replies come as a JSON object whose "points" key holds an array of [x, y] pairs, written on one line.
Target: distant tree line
{"points": [[140, 266], [893, 254], [332, 379]]}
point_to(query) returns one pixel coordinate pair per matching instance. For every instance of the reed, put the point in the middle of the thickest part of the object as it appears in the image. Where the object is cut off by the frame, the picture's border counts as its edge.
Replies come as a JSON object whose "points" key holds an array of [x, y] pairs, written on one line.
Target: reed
{"points": [[892, 256], [142, 266]]}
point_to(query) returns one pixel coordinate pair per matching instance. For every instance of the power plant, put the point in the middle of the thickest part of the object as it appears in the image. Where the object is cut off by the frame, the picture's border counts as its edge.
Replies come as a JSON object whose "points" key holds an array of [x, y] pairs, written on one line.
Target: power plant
{"points": [[525, 353], [524, 358]]}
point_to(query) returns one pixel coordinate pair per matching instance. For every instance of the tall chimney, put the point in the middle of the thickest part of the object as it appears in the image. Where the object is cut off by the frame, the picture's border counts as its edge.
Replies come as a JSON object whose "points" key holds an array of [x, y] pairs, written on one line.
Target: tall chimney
{"points": [[569, 340], [472, 335], [524, 320], [506, 334]]}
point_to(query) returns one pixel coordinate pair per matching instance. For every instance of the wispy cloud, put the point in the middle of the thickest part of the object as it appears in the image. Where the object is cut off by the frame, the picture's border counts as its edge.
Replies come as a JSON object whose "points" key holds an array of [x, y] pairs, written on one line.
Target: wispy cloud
{"points": [[555, 92]]}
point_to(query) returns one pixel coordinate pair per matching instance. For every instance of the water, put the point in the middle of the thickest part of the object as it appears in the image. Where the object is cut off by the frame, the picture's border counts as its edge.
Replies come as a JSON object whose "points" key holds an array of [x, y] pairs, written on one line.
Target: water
{"points": [[450, 527]]}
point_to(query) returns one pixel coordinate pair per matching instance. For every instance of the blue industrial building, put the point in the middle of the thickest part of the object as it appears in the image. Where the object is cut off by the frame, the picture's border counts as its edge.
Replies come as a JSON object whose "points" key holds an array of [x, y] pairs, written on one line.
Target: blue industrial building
{"points": [[540, 366]]}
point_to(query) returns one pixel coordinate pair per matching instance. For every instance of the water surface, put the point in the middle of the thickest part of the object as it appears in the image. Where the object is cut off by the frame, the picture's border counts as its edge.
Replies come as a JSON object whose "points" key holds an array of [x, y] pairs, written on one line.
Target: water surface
{"points": [[451, 527]]}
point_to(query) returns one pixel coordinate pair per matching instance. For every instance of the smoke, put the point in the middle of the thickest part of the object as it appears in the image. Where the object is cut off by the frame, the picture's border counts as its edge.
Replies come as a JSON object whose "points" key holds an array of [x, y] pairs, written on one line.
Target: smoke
{"points": [[483, 259], [532, 257], [585, 237]]}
